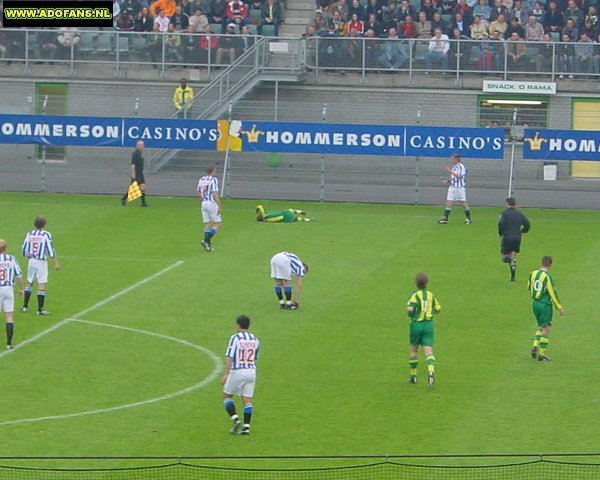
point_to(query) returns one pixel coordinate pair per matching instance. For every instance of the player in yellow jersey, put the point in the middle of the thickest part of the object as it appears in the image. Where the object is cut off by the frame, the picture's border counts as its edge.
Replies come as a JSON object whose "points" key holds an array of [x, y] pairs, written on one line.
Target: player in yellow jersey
{"points": [[543, 292], [420, 308]]}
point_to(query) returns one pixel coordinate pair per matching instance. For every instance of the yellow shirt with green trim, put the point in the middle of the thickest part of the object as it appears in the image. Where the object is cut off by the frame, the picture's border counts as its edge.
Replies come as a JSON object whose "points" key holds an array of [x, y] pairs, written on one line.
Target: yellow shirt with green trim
{"points": [[425, 305], [542, 288]]}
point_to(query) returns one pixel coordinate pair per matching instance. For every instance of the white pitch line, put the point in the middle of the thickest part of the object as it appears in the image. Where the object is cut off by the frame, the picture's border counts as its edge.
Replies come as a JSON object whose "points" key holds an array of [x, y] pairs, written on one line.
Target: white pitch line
{"points": [[216, 371], [128, 289], [37, 336]]}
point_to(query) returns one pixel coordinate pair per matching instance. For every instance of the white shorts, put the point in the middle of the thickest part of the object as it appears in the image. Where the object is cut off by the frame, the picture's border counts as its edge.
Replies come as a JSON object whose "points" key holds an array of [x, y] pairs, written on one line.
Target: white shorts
{"points": [[281, 268], [37, 270], [240, 382], [457, 194], [7, 299], [210, 212]]}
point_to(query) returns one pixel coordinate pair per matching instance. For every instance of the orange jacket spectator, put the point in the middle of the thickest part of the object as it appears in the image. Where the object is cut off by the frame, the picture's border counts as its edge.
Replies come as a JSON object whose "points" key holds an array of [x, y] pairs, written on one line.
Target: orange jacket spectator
{"points": [[167, 6]]}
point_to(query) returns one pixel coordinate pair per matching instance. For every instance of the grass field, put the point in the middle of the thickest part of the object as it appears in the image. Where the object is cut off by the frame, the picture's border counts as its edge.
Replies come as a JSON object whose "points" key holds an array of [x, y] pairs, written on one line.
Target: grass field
{"points": [[332, 376]]}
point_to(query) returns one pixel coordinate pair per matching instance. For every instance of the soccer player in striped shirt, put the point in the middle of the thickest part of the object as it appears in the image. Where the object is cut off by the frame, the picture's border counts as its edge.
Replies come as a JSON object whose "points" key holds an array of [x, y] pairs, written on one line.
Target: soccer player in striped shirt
{"points": [[38, 247], [10, 272], [543, 292], [456, 189], [208, 193], [420, 308], [240, 374], [284, 266]]}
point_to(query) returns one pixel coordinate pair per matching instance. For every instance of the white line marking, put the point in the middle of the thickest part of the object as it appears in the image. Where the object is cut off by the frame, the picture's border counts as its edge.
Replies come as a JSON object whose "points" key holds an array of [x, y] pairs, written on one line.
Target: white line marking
{"points": [[37, 336], [212, 376], [128, 289]]}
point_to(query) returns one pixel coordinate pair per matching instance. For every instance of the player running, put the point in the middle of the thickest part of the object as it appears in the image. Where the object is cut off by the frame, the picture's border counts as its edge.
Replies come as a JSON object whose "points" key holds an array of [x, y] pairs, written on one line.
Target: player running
{"points": [[511, 225], [420, 308], [457, 189], [38, 247], [543, 292], [10, 272], [208, 193], [288, 215], [240, 374], [284, 266]]}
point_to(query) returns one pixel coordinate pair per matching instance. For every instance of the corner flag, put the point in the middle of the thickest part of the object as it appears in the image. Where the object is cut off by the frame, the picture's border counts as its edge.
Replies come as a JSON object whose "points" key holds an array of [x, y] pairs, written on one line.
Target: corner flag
{"points": [[133, 192]]}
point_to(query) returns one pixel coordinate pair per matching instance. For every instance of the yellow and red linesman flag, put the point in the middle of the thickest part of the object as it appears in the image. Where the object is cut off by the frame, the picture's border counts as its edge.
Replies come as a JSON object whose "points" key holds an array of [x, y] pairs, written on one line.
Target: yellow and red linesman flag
{"points": [[133, 192]]}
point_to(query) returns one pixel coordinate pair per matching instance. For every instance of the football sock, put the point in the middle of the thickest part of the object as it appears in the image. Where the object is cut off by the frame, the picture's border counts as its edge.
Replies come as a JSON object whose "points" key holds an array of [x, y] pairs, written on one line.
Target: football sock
{"points": [[513, 268], [536, 339], [279, 293], [543, 346], [10, 328], [412, 363], [447, 213], [247, 414], [230, 407], [468, 213], [208, 234], [430, 360], [27, 297], [288, 294], [143, 198], [41, 297]]}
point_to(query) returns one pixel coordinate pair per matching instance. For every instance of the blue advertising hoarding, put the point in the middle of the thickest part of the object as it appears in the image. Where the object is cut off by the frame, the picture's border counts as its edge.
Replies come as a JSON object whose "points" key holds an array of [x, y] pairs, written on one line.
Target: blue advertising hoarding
{"points": [[561, 145]]}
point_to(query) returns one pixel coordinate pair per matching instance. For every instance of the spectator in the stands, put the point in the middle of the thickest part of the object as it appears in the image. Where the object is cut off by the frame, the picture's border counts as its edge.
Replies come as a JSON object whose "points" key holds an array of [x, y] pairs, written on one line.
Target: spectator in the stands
{"points": [[271, 15], [228, 45], [198, 21], [144, 21], [447, 7], [438, 49], [155, 45], [571, 30], [516, 49], [458, 53], [173, 45], [553, 19], [394, 9], [339, 6], [208, 43], [68, 38], [352, 49], [590, 30], [575, 13], [395, 52], [358, 9], [47, 42], [236, 12], [478, 29], [461, 24], [539, 13], [388, 23], [423, 27], [483, 10], [463, 8], [180, 19], [247, 40], [406, 9], [162, 21], [565, 53], [375, 7], [592, 15], [533, 30], [319, 22], [203, 5], [373, 24], [498, 9], [491, 56], [439, 22], [519, 12], [429, 9], [543, 59], [130, 6], [124, 22], [217, 11], [329, 46], [584, 55], [339, 24], [514, 26], [189, 47], [371, 49], [597, 51], [356, 24], [408, 28], [499, 24], [167, 7]]}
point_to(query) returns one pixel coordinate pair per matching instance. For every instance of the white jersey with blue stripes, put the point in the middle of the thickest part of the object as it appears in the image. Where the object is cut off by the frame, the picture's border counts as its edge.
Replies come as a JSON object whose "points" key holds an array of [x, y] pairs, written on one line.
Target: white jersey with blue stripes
{"points": [[243, 350], [459, 175], [38, 245], [9, 270], [207, 185], [295, 264]]}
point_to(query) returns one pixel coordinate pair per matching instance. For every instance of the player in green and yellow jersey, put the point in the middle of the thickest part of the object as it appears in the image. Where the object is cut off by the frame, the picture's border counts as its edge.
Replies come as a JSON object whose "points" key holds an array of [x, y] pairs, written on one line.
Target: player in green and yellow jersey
{"points": [[420, 308], [543, 292], [288, 215]]}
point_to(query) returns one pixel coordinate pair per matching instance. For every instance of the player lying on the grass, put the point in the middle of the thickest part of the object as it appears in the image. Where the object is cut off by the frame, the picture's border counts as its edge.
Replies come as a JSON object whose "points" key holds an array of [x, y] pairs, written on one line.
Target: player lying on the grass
{"points": [[9, 274], [284, 266], [420, 308], [288, 215]]}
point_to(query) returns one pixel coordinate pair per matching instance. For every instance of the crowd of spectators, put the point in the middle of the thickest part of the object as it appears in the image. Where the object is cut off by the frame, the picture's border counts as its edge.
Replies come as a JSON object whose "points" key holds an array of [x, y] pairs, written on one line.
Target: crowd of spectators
{"points": [[518, 32], [192, 31]]}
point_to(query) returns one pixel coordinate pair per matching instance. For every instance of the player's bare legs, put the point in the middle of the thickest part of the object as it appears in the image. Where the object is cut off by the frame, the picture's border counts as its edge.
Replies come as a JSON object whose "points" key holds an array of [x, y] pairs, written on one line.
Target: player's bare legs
{"points": [[413, 362], [41, 296], [511, 259], [467, 210]]}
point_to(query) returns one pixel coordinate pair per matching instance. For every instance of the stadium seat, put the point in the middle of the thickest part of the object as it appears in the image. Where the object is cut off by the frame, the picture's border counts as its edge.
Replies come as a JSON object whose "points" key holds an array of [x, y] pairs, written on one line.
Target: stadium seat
{"points": [[123, 46], [253, 29], [104, 44], [86, 43], [447, 18], [268, 31], [416, 4], [555, 36], [216, 28], [255, 16], [420, 52]]}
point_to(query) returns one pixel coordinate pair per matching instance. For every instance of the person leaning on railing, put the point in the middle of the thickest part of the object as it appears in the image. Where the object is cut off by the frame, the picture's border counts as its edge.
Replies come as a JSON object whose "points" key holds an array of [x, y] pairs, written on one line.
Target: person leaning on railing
{"points": [[439, 46], [68, 37], [516, 48], [491, 56], [543, 60], [564, 54], [584, 55]]}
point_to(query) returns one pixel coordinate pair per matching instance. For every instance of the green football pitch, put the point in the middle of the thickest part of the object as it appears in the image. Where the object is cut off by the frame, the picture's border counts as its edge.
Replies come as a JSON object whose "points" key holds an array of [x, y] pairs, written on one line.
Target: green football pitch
{"points": [[129, 362]]}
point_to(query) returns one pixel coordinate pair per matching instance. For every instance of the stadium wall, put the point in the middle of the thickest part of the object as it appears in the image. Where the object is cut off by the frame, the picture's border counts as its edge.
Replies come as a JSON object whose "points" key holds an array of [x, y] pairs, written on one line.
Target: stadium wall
{"points": [[386, 179]]}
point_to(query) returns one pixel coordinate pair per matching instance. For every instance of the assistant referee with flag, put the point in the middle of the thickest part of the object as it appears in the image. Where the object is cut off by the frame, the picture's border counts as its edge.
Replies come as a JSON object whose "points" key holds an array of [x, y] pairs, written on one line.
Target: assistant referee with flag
{"points": [[137, 188]]}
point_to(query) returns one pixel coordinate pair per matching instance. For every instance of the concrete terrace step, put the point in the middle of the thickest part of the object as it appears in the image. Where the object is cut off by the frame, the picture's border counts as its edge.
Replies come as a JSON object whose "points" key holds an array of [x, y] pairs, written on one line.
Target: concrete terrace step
{"points": [[297, 21]]}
